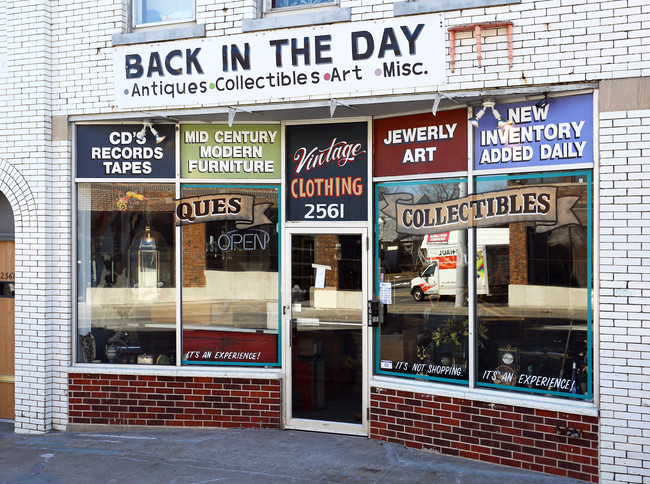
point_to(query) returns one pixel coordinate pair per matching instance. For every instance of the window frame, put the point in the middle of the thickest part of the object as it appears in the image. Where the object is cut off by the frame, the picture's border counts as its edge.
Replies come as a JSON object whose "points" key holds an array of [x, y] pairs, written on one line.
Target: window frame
{"points": [[138, 26], [473, 303], [451, 382], [269, 9], [224, 185]]}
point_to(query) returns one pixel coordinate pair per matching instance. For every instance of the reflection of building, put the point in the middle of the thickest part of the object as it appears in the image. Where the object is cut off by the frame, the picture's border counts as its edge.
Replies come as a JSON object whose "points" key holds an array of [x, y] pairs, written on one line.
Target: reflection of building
{"points": [[557, 258], [77, 149]]}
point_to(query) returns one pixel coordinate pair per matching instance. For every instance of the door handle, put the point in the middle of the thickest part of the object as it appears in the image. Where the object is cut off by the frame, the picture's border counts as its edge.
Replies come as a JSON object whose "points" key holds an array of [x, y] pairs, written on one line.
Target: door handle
{"points": [[286, 311]]}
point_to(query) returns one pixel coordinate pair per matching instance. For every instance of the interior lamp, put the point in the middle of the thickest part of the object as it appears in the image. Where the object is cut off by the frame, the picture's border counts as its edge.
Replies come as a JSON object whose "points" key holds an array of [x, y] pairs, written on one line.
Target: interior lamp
{"points": [[149, 260]]}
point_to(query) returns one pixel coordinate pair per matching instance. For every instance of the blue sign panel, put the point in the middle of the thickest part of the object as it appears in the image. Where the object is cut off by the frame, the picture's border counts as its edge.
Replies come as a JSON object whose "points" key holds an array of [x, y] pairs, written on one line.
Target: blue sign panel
{"points": [[125, 150], [327, 172], [557, 134]]}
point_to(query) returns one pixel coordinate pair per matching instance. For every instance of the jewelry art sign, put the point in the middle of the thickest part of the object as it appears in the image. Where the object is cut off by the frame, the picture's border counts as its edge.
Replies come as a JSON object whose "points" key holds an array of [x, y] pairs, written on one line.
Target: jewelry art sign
{"points": [[421, 143], [541, 205], [319, 60]]}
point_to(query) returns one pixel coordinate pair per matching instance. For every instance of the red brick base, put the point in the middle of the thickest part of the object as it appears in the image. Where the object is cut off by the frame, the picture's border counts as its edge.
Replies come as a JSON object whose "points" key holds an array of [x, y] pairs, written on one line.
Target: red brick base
{"points": [[503, 434], [173, 401]]}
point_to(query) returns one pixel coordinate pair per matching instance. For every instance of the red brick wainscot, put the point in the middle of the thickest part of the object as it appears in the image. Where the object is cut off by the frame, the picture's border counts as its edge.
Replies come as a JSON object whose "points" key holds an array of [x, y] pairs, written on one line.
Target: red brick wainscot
{"points": [[172, 401], [551, 442]]}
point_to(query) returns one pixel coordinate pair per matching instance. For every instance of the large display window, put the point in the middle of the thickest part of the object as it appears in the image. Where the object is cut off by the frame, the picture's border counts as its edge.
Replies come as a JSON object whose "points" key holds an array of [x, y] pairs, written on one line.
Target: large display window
{"points": [[230, 267], [126, 273], [538, 319], [423, 284], [527, 326]]}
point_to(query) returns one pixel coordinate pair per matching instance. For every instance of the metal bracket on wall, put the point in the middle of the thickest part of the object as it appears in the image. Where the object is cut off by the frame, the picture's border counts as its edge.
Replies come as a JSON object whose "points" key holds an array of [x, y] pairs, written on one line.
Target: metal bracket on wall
{"points": [[477, 33]]}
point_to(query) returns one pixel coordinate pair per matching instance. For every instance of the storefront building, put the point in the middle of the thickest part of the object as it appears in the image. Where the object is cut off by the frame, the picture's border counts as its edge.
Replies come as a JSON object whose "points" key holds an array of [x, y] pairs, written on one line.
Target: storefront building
{"points": [[417, 222]]}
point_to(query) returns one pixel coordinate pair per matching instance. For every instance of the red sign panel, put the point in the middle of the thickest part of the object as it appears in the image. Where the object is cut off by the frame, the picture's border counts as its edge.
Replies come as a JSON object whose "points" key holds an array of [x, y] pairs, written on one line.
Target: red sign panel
{"points": [[421, 144], [204, 346], [438, 238]]}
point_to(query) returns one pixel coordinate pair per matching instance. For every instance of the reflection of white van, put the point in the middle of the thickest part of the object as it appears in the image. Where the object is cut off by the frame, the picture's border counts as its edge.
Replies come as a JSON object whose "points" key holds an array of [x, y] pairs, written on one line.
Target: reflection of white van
{"points": [[439, 277], [426, 283]]}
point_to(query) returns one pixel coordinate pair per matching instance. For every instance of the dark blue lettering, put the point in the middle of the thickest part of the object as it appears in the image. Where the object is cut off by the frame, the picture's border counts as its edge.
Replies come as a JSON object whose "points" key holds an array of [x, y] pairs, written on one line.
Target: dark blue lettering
{"points": [[133, 66], [370, 45]]}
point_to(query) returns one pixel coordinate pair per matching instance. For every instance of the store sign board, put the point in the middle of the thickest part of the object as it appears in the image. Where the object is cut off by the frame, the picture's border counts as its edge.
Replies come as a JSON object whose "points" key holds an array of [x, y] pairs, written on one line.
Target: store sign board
{"points": [[421, 143], [221, 151], [114, 151], [327, 60], [541, 205], [327, 172], [556, 135]]}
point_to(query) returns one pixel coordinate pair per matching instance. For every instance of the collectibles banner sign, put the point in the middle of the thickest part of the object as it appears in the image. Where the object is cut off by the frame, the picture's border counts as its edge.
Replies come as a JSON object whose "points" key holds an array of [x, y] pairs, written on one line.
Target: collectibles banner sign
{"points": [[118, 151], [239, 208], [421, 143], [220, 151], [327, 171], [527, 204], [557, 134], [356, 57]]}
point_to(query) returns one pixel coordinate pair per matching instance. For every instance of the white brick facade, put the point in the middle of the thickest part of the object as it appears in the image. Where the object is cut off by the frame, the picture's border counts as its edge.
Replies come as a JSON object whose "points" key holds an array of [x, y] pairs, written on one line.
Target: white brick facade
{"points": [[56, 61], [624, 297]]}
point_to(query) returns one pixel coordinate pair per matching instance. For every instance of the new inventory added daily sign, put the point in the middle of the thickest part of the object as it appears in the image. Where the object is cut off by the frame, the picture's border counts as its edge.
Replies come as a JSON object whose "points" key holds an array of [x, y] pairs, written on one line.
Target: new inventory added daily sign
{"points": [[317, 60]]}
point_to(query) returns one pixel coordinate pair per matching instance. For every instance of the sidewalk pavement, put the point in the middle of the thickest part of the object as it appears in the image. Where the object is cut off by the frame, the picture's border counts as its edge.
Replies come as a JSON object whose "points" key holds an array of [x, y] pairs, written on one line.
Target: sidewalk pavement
{"points": [[233, 455]]}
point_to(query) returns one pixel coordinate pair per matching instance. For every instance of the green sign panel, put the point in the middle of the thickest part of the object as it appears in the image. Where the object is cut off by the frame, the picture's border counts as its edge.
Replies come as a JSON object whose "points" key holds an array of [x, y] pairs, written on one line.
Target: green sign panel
{"points": [[219, 151]]}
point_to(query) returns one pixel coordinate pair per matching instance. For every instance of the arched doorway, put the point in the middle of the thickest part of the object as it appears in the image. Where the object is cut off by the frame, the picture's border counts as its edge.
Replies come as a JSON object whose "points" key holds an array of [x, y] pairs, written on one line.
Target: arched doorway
{"points": [[7, 346]]}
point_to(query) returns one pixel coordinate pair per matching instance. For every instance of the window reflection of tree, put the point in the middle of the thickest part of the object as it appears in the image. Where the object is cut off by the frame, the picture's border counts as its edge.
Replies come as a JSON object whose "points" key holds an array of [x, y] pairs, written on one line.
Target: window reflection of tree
{"points": [[411, 256]]}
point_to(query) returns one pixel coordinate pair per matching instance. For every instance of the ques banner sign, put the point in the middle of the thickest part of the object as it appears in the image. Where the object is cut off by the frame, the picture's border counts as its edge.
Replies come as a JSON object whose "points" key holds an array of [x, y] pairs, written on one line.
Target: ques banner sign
{"points": [[529, 204], [239, 208], [404, 52], [327, 172]]}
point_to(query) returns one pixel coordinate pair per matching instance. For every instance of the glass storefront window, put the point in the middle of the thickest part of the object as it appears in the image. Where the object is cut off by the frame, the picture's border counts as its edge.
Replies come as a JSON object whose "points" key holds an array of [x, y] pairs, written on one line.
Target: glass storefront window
{"points": [[538, 308], [230, 264], [423, 285], [532, 279], [125, 273]]}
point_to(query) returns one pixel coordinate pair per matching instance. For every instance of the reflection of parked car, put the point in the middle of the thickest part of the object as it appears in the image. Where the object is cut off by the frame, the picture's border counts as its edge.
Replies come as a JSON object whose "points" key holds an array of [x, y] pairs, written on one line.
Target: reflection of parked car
{"points": [[426, 283]]}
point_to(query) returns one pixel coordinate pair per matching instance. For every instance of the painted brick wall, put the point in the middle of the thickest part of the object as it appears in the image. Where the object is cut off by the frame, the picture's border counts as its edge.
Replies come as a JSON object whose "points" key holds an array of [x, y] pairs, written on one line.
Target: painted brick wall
{"points": [[625, 295], [501, 434], [171, 401], [62, 65], [36, 180], [554, 42]]}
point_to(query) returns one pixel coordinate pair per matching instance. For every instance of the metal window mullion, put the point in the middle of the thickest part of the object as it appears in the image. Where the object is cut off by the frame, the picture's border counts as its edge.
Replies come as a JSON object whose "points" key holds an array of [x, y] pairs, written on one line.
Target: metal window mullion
{"points": [[472, 305]]}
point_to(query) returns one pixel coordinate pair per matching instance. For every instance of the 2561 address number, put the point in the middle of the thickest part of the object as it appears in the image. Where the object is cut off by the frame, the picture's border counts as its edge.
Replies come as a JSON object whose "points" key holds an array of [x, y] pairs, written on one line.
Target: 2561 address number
{"points": [[321, 211]]}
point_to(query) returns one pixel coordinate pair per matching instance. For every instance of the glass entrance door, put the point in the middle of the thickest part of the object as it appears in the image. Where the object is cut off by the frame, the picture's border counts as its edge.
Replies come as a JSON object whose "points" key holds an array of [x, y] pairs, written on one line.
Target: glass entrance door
{"points": [[326, 358]]}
